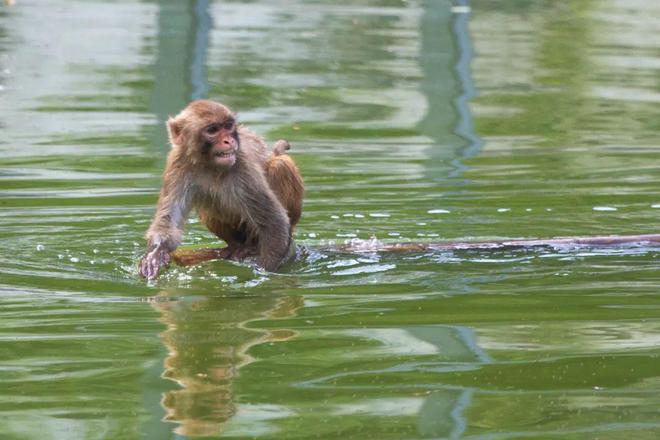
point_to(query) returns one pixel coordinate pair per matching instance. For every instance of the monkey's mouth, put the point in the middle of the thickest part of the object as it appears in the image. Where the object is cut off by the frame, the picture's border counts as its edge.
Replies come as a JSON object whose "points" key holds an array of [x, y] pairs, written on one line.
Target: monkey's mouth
{"points": [[224, 154], [224, 158]]}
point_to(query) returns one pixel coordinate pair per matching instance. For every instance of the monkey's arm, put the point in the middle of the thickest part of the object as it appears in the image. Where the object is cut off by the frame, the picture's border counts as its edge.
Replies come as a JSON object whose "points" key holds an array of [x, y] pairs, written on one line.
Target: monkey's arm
{"points": [[270, 220], [166, 230]]}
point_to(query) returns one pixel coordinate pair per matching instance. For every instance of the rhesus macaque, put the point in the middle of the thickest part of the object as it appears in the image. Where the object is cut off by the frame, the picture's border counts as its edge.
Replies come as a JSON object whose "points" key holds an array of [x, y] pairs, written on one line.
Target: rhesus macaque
{"points": [[245, 194]]}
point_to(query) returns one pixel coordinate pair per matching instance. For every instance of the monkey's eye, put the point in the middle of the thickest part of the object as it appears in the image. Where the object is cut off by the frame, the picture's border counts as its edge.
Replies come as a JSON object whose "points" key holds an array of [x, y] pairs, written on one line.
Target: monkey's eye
{"points": [[212, 129], [229, 125]]}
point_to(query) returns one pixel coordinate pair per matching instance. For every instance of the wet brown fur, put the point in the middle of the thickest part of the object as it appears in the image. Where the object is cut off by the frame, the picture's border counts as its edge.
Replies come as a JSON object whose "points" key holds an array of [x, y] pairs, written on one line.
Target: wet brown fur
{"points": [[253, 204]]}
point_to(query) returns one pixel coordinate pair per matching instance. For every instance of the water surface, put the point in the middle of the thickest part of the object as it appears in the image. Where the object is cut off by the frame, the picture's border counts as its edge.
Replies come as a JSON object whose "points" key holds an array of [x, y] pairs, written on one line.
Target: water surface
{"points": [[411, 121]]}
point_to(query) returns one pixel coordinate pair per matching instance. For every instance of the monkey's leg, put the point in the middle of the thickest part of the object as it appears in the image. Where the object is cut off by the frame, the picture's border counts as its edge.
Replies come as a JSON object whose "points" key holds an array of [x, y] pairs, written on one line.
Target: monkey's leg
{"points": [[243, 252], [234, 250], [287, 184], [232, 234]]}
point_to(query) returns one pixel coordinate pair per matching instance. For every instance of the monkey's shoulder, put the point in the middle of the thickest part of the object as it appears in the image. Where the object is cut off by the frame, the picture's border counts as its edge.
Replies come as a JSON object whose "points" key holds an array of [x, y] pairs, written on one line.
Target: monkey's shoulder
{"points": [[245, 134], [252, 141]]}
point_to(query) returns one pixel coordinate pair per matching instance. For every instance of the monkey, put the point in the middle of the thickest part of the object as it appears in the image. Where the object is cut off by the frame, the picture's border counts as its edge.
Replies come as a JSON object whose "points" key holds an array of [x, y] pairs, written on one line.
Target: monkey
{"points": [[246, 195]]}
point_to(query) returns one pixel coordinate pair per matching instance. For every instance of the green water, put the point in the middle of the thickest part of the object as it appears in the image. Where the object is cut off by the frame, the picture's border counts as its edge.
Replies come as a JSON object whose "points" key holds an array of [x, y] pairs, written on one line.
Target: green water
{"points": [[410, 122]]}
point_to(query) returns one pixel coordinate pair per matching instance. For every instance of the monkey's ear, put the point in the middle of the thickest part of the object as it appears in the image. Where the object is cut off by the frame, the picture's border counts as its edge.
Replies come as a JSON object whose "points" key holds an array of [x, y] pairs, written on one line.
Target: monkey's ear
{"points": [[174, 131]]}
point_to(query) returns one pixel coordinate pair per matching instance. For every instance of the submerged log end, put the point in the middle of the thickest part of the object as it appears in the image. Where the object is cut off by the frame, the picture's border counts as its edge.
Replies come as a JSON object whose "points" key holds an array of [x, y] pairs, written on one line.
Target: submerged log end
{"points": [[190, 257], [585, 241]]}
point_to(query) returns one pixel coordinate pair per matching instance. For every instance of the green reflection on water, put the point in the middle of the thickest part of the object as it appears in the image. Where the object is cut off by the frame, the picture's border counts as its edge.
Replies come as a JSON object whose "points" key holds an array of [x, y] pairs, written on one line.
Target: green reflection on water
{"points": [[411, 121]]}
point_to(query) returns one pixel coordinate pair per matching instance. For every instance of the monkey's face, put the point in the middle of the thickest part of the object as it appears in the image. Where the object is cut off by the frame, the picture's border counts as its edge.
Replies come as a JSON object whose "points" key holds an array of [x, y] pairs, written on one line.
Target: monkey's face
{"points": [[206, 131], [220, 140]]}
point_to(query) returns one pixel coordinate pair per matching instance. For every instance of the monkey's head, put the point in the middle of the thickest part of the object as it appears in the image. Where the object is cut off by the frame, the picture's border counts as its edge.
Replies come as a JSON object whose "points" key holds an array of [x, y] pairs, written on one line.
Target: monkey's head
{"points": [[207, 132]]}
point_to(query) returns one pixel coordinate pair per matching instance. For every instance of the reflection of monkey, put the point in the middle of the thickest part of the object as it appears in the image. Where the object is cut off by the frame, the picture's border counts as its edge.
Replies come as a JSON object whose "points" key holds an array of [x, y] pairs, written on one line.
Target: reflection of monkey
{"points": [[207, 341], [246, 195]]}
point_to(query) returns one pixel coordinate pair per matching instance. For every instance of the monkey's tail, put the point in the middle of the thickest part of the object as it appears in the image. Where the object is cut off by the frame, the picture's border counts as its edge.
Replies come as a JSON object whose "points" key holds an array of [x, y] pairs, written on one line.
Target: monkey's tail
{"points": [[280, 147]]}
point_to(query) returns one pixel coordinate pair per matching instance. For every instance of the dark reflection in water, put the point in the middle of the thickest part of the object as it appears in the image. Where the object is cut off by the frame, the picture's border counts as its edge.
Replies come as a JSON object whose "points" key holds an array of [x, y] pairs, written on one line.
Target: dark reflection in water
{"points": [[179, 70], [208, 341], [445, 59]]}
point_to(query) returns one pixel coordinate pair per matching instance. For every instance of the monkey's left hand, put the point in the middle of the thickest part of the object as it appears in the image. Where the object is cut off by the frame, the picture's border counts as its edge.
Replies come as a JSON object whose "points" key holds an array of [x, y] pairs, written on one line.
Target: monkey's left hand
{"points": [[153, 261]]}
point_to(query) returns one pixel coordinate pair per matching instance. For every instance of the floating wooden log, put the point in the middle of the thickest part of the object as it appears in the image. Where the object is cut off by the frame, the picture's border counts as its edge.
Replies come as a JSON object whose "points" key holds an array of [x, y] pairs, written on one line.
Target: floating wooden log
{"points": [[190, 257]]}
